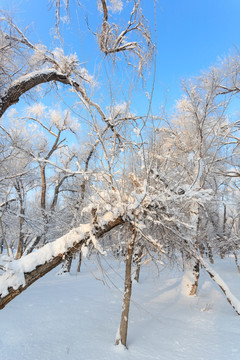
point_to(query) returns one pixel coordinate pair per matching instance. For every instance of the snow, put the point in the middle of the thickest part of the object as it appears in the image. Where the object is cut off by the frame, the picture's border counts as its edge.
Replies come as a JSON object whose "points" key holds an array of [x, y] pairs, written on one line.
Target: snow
{"points": [[107, 217], [76, 317], [30, 76], [116, 5], [84, 251], [120, 109], [187, 280], [14, 276], [37, 109], [39, 55], [96, 244], [137, 131], [56, 118], [223, 285], [67, 63]]}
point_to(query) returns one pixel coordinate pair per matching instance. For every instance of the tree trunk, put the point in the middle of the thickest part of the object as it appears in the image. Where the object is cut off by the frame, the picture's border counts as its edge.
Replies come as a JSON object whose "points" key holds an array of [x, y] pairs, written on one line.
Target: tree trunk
{"points": [[12, 94], [138, 263], [196, 273], [122, 333], [4, 239], [20, 246], [190, 278], [233, 301], [236, 261], [32, 245], [222, 253], [79, 261], [43, 201], [66, 267], [210, 254], [21, 234], [30, 278], [42, 269], [195, 220], [20, 191]]}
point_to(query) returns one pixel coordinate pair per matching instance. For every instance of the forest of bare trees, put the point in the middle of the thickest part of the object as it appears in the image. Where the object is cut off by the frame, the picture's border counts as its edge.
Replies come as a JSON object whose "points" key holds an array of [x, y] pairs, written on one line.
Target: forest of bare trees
{"points": [[91, 172]]}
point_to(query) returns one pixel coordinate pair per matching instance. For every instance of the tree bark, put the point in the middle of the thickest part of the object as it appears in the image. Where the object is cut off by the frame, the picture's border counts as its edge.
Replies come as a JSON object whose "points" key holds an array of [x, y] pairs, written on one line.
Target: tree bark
{"points": [[233, 301], [25, 83], [1, 246], [138, 263], [66, 267], [196, 273], [43, 269], [122, 334], [195, 220], [4, 240], [32, 245], [20, 191], [236, 261], [79, 261]]}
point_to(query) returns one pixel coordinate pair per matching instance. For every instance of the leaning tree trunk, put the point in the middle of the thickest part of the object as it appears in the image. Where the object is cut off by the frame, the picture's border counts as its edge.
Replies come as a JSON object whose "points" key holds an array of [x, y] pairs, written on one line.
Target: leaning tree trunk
{"points": [[233, 301], [193, 252], [236, 261], [45, 262], [122, 331]]}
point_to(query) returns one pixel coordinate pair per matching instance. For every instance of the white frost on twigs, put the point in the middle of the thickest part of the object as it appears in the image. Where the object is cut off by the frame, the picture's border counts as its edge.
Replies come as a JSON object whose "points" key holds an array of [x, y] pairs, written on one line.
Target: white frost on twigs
{"points": [[37, 109], [116, 5]]}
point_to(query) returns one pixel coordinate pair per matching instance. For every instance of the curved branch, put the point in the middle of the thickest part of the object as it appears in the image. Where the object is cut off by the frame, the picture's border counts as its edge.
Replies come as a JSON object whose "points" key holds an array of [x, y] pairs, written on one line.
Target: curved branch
{"points": [[25, 83]]}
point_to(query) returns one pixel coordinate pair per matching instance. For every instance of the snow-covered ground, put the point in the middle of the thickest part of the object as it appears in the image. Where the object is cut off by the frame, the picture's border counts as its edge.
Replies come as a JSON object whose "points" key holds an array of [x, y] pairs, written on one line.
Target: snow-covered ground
{"points": [[76, 317]]}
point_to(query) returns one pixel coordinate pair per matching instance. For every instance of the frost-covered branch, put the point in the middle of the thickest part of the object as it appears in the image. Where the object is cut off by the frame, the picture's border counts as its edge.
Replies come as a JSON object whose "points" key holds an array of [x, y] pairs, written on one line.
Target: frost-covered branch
{"points": [[12, 94], [112, 41]]}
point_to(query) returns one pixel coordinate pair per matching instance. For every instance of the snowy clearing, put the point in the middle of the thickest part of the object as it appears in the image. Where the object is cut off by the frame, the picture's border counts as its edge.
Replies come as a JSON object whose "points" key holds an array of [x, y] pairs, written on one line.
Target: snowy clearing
{"points": [[76, 317]]}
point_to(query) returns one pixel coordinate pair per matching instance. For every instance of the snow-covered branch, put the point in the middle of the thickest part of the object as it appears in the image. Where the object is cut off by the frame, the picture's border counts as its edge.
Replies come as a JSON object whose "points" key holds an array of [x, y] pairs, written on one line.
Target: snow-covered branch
{"points": [[20, 274], [12, 94]]}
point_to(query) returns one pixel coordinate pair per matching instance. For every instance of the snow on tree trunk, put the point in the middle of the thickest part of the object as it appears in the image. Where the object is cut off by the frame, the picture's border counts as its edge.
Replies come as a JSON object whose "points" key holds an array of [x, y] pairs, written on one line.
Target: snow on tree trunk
{"points": [[192, 251], [66, 267], [25, 83], [196, 273], [190, 279], [138, 263], [121, 337], [233, 301], [20, 274]]}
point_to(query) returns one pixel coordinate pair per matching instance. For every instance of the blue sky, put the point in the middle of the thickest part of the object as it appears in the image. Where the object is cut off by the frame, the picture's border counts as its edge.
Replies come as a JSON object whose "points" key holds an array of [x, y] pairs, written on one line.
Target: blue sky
{"points": [[191, 34]]}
